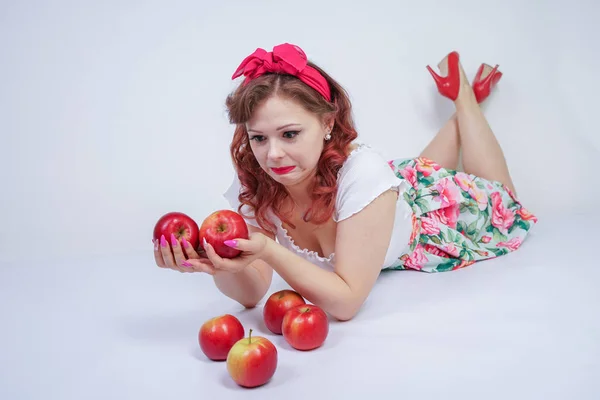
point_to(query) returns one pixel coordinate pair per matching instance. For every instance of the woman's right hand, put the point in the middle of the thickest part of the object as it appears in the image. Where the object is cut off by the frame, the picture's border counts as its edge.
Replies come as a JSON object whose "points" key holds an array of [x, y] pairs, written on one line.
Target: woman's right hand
{"points": [[174, 256]]}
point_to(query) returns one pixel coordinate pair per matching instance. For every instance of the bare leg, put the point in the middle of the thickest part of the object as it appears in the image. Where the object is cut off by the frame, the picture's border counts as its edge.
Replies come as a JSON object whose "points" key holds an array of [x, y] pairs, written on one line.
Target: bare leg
{"points": [[444, 147], [481, 152]]}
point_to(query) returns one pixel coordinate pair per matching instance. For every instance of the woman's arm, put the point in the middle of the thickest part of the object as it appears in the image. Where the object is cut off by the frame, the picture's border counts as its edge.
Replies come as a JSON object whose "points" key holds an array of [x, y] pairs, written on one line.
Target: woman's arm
{"points": [[361, 245], [249, 285]]}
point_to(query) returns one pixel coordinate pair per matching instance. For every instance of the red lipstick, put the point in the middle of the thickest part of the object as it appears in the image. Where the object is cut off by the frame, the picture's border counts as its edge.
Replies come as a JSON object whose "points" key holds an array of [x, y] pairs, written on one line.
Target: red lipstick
{"points": [[282, 170]]}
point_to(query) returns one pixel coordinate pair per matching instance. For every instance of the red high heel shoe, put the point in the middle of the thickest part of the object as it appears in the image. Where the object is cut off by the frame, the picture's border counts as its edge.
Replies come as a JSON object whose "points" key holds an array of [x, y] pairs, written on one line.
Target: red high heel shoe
{"points": [[483, 87], [448, 85]]}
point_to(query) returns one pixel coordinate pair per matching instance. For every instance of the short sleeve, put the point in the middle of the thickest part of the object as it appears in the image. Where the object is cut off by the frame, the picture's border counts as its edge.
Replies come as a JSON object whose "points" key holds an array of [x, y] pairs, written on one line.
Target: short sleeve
{"points": [[364, 176], [231, 195]]}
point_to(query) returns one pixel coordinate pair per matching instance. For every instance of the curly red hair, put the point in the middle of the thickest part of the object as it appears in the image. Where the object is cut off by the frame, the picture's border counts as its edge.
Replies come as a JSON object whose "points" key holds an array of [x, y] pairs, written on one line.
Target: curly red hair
{"points": [[259, 191]]}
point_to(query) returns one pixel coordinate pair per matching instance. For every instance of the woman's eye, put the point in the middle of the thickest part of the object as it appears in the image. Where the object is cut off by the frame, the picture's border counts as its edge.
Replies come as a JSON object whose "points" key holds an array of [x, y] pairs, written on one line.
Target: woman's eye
{"points": [[290, 134], [287, 135], [257, 138]]}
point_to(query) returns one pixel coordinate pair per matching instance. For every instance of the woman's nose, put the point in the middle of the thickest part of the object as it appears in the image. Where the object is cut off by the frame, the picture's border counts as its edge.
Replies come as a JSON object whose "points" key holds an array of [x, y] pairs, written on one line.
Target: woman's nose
{"points": [[275, 150]]}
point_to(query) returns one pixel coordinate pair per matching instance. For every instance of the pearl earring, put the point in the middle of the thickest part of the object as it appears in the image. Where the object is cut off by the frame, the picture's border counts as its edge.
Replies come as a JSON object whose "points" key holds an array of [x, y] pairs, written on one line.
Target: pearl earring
{"points": [[328, 136]]}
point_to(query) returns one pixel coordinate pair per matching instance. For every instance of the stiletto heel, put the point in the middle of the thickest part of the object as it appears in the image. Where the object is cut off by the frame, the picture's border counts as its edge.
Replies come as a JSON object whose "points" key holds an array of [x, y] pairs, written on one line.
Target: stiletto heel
{"points": [[448, 85], [483, 87]]}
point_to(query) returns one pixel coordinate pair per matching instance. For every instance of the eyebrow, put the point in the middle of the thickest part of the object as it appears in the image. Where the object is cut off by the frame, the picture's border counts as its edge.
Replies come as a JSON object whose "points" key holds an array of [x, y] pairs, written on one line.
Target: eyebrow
{"points": [[279, 128]]}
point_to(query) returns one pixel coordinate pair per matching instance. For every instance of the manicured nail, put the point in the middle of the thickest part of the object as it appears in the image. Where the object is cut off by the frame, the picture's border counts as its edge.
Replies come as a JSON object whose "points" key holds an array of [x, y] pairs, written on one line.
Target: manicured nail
{"points": [[186, 264], [185, 243], [163, 241], [174, 241], [155, 241], [205, 243], [230, 243]]}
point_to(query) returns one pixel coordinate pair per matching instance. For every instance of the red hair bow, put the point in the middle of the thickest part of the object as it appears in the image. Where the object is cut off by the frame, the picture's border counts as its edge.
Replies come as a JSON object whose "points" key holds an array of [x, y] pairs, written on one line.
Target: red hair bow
{"points": [[284, 59]]}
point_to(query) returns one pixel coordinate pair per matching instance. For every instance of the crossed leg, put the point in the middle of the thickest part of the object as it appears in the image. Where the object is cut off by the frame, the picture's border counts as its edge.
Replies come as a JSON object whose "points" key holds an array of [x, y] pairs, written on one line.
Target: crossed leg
{"points": [[444, 148], [468, 133]]}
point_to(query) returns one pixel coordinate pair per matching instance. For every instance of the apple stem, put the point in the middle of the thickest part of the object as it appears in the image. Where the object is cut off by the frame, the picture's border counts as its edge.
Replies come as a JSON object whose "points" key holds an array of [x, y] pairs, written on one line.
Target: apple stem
{"points": [[250, 336]]}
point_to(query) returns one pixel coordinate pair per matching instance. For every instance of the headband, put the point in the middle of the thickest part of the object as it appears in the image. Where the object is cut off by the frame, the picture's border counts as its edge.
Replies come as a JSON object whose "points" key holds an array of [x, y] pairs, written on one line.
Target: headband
{"points": [[284, 59]]}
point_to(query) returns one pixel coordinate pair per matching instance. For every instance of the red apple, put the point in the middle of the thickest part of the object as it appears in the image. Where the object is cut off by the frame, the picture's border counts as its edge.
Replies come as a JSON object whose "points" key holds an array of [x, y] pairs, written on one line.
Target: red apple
{"points": [[305, 327], [218, 335], [277, 305], [252, 361], [179, 224], [220, 226]]}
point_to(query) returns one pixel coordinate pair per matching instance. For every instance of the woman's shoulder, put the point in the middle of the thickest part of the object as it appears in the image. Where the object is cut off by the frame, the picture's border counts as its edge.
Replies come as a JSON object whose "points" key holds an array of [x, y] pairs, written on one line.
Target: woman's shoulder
{"points": [[363, 157], [364, 176]]}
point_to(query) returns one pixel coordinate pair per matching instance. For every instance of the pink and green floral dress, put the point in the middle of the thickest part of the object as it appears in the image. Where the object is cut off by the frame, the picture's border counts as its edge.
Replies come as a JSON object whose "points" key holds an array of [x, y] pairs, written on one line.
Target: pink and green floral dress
{"points": [[458, 218]]}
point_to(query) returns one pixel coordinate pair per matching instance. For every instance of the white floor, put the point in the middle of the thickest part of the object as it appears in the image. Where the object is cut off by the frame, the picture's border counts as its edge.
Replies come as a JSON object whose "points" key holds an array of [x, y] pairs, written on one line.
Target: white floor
{"points": [[526, 326]]}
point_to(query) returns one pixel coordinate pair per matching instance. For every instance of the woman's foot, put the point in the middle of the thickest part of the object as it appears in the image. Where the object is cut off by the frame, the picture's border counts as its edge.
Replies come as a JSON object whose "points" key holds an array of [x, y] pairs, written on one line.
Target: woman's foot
{"points": [[485, 80], [452, 83]]}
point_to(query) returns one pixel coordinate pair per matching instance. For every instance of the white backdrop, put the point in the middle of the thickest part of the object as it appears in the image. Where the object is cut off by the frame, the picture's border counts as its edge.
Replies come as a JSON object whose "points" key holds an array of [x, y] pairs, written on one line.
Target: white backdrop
{"points": [[111, 113]]}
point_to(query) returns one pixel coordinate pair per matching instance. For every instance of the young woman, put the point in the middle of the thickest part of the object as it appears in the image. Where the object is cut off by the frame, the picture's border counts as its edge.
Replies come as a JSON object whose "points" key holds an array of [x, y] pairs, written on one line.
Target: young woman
{"points": [[328, 214]]}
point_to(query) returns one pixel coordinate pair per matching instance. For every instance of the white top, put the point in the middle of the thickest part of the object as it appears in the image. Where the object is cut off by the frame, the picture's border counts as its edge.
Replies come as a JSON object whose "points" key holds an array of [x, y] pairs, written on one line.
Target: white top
{"points": [[363, 177]]}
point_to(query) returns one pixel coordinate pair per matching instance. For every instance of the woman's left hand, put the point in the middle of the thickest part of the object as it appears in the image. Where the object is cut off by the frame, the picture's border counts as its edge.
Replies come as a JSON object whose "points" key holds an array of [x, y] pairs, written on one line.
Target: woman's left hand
{"points": [[252, 249]]}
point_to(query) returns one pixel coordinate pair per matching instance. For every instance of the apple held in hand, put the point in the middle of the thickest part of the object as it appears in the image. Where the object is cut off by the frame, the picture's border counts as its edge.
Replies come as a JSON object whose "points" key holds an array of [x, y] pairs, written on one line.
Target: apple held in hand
{"points": [[220, 226], [277, 305], [305, 327], [252, 361], [179, 224], [218, 335]]}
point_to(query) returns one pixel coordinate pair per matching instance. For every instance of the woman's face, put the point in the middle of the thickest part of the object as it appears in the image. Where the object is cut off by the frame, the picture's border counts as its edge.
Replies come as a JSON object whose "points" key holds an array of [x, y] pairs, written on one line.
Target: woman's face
{"points": [[286, 140]]}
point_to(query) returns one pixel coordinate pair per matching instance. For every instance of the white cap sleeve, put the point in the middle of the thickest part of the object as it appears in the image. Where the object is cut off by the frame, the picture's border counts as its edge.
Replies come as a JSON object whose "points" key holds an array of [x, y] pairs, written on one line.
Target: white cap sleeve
{"points": [[364, 176], [231, 195]]}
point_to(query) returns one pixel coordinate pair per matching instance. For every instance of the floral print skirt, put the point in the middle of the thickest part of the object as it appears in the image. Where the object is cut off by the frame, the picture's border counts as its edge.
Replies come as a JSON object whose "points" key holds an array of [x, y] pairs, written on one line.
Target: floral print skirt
{"points": [[458, 218]]}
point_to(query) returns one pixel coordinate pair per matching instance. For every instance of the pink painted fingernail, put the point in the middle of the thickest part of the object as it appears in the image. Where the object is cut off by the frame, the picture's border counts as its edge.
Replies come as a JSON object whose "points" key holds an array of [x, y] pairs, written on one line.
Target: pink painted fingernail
{"points": [[163, 241], [185, 243], [174, 241], [230, 243], [186, 264]]}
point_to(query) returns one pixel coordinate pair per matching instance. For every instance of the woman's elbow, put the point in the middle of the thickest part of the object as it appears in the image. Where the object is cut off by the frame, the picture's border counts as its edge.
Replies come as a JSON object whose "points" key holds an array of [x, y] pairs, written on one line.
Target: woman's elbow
{"points": [[251, 300], [344, 317], [347, 312], [248, 304]]}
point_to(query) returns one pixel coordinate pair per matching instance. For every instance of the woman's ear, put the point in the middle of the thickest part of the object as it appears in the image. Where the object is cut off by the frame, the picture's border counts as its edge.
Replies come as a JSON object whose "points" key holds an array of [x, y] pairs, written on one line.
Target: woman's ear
{"points": [[328, 122]]}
